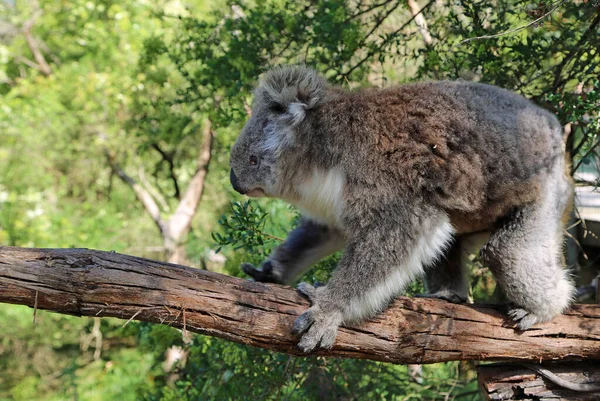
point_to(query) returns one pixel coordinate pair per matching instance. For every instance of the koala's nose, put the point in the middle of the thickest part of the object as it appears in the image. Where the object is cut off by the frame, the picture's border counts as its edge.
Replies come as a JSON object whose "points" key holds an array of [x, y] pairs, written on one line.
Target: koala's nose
{"points": [[235, 183]]}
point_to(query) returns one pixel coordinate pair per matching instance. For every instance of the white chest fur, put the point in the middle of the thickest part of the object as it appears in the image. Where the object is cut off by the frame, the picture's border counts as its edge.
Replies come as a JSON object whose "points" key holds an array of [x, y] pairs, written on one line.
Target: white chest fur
{"points": [[322, 196]]}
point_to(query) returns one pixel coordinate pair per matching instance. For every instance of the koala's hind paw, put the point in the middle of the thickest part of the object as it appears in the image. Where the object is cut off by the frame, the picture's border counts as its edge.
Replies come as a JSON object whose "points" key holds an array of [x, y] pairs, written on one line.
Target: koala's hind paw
{"points": [[523, 318], [320, 328], [265, 274]]}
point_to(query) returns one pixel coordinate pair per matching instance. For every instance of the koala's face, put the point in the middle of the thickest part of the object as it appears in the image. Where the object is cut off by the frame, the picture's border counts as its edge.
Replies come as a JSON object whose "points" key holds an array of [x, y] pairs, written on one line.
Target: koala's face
{"points": [[280, 108], [253, 159]]}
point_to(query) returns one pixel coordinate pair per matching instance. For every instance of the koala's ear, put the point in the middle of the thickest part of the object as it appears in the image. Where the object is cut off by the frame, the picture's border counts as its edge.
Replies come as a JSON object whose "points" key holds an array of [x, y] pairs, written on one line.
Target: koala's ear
{"points": [[291, 91]]}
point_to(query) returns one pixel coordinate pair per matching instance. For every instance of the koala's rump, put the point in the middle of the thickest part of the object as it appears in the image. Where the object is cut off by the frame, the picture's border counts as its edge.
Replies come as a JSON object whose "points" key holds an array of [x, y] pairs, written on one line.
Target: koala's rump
{"points": [[475, 150]]}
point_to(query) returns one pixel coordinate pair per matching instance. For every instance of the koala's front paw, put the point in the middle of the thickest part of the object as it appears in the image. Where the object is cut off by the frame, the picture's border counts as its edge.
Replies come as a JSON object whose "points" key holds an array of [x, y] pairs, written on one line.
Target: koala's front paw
{"points": [[265, 274], [319, 323]]}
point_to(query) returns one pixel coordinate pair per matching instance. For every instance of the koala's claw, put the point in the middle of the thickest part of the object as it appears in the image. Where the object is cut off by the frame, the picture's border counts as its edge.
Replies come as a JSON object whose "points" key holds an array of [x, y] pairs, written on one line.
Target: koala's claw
{"points": [[523, 318], [321, 328], [264, 274], [307, 290]]}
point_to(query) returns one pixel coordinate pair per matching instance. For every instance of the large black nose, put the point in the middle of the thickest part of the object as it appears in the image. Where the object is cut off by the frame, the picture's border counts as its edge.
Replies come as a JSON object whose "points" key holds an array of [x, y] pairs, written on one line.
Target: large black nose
{"points": [[235, 183]]}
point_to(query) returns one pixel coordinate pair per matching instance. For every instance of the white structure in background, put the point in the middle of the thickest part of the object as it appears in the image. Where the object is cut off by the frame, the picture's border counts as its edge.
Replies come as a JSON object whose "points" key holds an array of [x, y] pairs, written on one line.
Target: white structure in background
{"points": [[587, 203]]}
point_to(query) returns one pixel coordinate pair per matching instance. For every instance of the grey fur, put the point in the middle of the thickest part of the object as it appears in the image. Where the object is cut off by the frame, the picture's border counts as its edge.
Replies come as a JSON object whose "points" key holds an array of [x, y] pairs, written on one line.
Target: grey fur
{"points": [[395, 174], [446, 279]]}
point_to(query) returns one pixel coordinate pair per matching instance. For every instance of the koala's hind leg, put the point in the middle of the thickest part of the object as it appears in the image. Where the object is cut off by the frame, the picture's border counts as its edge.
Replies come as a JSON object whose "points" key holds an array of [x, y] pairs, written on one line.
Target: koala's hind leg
{"points": [[304, 246], [446, 278], [524, 253]]}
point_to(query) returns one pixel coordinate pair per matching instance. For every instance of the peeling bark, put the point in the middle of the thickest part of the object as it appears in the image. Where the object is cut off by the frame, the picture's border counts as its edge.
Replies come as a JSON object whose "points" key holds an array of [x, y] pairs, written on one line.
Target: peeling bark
{"points": [[94, 283]]}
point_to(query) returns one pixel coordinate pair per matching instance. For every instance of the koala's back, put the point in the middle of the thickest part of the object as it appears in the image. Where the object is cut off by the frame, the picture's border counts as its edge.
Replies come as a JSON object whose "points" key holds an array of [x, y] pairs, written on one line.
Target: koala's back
{"points": [[474, 149]]}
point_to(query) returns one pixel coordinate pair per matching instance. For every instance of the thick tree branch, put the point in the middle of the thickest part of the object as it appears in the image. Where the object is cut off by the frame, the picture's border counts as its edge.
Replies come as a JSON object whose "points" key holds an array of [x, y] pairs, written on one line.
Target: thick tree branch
{"points": [[94, 283]]}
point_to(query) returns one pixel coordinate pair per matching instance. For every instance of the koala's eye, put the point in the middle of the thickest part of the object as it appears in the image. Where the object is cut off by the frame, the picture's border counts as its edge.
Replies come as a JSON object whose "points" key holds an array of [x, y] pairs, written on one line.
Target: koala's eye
{"points": [[253, 160], [277, 108]]}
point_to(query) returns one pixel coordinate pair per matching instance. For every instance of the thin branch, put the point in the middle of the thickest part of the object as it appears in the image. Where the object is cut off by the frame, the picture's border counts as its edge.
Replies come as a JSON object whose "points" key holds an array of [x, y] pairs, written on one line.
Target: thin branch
{"points": [[271, 237], [577, 148], [28, 63], [386, 41], [141, 193], [32, 42], [589, 152], [379, 21], [168, 157], [575, 50], [520, 28], [35, 306], [153, 191], [368, 9]]}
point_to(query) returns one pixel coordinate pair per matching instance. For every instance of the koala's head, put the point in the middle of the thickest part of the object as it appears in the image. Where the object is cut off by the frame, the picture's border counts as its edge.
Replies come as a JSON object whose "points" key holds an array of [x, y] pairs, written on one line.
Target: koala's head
{"points": [[282, 102]]}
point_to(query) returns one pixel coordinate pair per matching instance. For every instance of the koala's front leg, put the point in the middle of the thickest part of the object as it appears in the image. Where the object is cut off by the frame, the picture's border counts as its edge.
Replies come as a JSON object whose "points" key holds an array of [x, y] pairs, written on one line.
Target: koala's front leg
{"points": [[377, 265], [304, 246]]}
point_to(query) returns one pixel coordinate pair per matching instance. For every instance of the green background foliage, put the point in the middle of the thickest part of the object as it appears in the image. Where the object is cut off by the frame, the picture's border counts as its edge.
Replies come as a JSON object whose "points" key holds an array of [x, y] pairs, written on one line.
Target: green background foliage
{"points": [[140, 78]]}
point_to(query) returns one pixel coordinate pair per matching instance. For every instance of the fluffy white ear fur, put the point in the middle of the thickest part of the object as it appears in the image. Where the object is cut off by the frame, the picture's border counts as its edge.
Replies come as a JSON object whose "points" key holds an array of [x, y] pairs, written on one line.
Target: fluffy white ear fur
{"points": [[296, 112]]}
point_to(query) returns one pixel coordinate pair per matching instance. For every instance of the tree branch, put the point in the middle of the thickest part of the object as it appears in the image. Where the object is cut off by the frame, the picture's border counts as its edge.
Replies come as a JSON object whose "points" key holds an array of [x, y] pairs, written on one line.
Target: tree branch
{"points": [[168, 157], [420, 21], [574, 51], [156, 195], [390, 37], [514, 30], [95, 283], [34, 47], [180, 221], [140, 192]]}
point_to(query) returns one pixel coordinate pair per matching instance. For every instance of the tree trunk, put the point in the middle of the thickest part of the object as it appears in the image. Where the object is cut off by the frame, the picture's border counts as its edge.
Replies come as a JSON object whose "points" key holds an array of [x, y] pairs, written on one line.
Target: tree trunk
{"points": [[95, 283]]}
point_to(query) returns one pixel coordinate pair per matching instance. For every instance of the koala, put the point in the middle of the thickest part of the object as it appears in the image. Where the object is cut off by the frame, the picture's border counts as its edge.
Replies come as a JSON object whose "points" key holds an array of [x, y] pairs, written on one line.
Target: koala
{"points": [[396, 177]]}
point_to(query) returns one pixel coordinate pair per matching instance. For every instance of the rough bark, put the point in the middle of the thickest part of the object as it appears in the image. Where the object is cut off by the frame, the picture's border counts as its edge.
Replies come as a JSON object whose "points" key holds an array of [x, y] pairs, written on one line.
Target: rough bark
{"points": [[500, 382], [95, 283]]}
